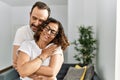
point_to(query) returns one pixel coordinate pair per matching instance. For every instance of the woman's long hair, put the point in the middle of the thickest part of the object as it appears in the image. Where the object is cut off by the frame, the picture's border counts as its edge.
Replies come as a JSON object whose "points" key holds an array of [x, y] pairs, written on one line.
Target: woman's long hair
{"points": [[60, 38]]}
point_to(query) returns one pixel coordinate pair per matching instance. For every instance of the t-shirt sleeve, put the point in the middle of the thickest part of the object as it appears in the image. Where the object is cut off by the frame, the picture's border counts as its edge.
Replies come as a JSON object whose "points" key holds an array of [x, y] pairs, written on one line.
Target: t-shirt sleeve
{"points": [[19, 37], [59, 51], [25, 47]]}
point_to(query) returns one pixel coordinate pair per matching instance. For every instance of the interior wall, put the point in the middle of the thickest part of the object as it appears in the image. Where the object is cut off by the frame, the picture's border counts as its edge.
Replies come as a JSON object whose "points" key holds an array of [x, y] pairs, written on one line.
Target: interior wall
{"points": [[75, 19], [117, 59], [5, 35], [80, 12], [20, 17], [106, 29]]}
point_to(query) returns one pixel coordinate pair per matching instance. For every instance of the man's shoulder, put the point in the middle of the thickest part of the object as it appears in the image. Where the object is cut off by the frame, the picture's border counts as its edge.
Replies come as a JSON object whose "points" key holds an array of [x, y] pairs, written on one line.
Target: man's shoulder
{"points": [[23, 27], [29, 43]]}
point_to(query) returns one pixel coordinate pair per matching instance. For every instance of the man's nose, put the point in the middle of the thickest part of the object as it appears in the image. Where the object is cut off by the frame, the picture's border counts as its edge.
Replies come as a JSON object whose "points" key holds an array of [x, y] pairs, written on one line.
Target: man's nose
{"points": [[37, 22]]}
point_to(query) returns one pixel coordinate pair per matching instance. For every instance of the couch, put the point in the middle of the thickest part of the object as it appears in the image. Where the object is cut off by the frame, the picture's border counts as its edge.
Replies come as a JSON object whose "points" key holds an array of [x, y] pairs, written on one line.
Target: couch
{"points": [[64, 69], [11, 73]]}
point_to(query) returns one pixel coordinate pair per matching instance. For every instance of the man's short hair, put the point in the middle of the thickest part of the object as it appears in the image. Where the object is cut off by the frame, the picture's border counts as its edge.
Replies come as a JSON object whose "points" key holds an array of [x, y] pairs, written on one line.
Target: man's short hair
{"points": [[41, 5]]}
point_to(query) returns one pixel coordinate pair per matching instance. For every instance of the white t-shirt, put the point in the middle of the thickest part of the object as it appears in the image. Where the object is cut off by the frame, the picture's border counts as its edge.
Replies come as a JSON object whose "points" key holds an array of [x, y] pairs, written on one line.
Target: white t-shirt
{"points": [[32, 49], [22, 34]]}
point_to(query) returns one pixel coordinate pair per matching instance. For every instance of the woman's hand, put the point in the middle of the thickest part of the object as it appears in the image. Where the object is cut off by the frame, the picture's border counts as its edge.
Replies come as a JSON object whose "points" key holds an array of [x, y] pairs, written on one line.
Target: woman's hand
{"points": [[48, 51]]}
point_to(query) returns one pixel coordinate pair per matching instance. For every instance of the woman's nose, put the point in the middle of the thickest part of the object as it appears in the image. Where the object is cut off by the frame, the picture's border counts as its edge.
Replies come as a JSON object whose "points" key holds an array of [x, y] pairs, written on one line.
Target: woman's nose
{"points": [[49, 32]]}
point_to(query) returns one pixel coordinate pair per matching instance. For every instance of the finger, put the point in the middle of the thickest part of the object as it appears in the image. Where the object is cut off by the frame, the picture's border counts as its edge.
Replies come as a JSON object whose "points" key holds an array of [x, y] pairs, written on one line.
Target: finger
{"points": [[53, 46]]}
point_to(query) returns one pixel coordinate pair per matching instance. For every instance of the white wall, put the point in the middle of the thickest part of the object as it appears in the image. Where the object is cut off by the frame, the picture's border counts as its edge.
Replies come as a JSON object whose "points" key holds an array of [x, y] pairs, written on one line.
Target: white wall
{"points": [[117, 60], [106, 29], [20, 17], [5, 35], [79, 12], [75, 18]]}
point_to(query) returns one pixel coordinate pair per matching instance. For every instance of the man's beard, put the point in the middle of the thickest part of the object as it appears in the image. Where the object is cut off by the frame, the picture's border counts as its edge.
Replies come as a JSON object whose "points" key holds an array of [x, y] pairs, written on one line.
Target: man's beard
{"points": [[33, 27]]}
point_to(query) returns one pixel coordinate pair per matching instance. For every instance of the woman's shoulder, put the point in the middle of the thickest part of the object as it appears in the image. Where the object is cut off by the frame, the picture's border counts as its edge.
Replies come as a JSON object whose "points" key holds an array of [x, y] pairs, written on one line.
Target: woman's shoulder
{"points": [[58, 50]]}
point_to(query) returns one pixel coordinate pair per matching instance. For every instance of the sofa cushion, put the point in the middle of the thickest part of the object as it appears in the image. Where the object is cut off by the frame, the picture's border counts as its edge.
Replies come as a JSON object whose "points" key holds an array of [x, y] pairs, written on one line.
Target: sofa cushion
{"points": [[63, 71], [65, 68], [90, 72], [83, 75], [74, 74]]}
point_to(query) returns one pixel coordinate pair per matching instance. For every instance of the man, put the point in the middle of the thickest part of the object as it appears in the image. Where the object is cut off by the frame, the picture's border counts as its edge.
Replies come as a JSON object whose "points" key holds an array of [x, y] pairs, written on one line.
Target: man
{"points": [[39, 13]]}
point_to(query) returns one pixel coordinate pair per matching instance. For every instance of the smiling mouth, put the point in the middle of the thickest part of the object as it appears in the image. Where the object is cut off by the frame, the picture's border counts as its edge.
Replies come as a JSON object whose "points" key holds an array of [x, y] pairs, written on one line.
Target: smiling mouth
{"points": [[46, 36], [34, 29]]}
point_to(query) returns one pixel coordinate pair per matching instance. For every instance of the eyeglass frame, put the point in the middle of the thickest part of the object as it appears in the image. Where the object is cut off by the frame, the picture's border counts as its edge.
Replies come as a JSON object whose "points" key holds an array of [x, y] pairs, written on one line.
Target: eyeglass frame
{"points": [[52, 32]]}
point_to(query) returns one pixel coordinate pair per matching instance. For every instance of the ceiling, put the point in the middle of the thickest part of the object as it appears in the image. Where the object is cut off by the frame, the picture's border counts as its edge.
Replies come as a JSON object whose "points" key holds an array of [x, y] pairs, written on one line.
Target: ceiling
{"points": [[31, 2]]}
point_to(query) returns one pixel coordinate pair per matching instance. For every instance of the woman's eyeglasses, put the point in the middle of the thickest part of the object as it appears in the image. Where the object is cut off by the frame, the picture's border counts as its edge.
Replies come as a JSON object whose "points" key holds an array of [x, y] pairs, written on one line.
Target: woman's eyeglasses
{"points": [[52, 32]]}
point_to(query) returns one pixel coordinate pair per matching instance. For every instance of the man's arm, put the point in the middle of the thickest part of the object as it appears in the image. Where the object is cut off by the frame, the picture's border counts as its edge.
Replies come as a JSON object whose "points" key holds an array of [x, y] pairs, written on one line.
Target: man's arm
{"points": [[15, 48], [18, 39]]}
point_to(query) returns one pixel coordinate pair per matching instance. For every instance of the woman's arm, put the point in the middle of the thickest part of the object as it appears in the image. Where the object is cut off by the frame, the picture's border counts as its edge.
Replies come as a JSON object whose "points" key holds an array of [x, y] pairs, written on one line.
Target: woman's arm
{"points": [[56, 62], [26, 67]]}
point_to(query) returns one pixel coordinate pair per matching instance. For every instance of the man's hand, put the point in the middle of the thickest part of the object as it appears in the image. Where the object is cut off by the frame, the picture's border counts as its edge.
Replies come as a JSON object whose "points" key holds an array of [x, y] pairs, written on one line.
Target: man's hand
{"points": [[48, 51]]}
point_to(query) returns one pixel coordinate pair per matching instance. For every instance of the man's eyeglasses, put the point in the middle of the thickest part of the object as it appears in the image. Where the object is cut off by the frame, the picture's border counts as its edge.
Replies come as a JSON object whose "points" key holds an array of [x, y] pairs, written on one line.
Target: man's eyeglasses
{"points": [[52, 32]]}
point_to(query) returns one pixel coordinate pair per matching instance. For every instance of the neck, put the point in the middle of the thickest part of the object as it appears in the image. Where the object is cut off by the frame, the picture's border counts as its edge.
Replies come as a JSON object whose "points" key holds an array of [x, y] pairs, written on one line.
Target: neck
{"points": [[41, 44]]}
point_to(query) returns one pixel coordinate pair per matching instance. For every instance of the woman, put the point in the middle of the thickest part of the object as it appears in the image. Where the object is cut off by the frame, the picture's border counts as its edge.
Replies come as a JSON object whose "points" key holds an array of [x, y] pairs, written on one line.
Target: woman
{"points": [[31, 59]]}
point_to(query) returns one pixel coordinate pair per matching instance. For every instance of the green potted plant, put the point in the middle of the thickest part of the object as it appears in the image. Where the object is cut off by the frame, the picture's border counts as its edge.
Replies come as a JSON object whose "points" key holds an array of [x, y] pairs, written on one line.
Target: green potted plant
{"points": [[85, 45]]}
